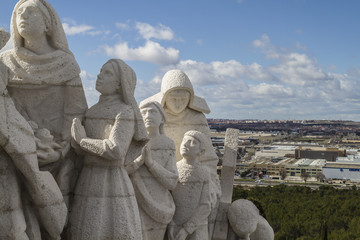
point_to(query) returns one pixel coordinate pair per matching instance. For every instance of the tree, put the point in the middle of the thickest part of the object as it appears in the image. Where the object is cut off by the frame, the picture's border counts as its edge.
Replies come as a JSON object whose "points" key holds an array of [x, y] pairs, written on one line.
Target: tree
{"points": [[305, 176], [324, 231], [283, 174], [320, 177], [243, 174]]}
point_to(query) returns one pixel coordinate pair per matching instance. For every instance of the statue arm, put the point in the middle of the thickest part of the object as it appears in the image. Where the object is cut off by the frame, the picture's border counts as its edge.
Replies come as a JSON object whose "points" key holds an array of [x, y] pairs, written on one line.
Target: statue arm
{"points": [[116, 146], [168, 175], [138, 162]]}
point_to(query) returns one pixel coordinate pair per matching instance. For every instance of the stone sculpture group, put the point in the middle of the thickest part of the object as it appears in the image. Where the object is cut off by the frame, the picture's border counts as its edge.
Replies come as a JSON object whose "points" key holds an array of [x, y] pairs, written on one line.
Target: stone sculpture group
{"points": [[115, 170]]}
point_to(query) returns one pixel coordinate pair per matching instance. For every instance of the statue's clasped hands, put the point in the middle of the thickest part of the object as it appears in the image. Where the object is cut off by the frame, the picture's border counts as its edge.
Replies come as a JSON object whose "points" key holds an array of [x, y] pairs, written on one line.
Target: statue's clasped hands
{"points": [[77, 130]]}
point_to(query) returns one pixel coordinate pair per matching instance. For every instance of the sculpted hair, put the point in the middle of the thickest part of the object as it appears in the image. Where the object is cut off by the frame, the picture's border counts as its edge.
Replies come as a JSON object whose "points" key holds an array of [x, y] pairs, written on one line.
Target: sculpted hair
{"points": [[160, 109], [198, 136]]}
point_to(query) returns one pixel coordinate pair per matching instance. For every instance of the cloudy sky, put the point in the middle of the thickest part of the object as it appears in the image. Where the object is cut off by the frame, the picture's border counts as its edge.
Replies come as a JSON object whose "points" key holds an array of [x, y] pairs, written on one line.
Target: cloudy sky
{"points": [[250, 59]]}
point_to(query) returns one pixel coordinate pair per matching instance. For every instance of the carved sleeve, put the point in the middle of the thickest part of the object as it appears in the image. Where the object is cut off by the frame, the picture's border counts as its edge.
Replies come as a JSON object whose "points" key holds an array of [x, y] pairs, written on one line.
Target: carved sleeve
{"points": [[74, 105], [202, 212], [116, 146], [168, 175]]}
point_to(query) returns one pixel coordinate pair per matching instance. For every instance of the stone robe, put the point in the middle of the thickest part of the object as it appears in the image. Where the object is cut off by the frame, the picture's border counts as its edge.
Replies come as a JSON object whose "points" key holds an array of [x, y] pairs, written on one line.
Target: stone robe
{"points": [[104, 204]]}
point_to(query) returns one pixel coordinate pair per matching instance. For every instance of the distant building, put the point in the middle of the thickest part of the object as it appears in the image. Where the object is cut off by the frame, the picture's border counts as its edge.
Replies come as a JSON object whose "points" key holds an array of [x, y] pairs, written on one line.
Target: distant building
{"points": [[329, 154], [346, 168], [311, 166], [276, 151], [270, 167]]}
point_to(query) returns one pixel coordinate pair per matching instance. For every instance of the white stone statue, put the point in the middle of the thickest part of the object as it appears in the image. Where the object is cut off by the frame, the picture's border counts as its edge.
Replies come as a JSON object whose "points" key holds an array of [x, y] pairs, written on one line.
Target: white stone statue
{"points": [[104, 203], [184, 111], [246, 222], [192, 193], [156, 176], [46, 86], [20, 219]]}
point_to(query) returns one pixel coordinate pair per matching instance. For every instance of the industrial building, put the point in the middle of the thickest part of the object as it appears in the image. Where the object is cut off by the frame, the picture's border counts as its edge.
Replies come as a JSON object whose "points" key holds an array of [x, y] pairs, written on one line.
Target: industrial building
{"points": [[345, 168], [329, 154], [276, 151], [310, 166]]}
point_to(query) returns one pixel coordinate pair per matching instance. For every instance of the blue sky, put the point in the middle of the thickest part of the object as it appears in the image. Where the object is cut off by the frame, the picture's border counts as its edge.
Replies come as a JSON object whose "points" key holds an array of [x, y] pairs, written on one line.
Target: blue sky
{"points": [[250, 59]]}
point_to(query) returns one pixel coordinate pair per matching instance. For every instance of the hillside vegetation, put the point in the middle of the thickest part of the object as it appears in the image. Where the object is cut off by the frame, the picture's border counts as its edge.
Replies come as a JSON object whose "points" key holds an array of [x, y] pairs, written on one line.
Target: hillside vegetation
{"points": [[297, 212]]}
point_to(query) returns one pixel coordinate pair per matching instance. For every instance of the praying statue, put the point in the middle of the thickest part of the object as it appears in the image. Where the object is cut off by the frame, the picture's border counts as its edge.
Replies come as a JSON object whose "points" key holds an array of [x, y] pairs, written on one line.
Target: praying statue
{"points": [[156, 175], [113, 134]]}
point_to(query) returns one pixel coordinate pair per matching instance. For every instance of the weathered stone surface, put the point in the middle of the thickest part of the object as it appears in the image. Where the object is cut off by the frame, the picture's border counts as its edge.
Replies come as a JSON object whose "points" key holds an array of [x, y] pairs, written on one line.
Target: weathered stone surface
{"points": [[263, 231], [42, 106], [104, 203], [34, 200], [247, 223], [184, 111], [45, 84], [192, 193], [227, 183], [156, 175]]}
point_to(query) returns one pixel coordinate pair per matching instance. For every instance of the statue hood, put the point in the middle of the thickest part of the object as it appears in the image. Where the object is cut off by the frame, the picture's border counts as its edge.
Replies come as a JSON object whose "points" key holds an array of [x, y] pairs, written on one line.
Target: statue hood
{"points": [[175, 80]]}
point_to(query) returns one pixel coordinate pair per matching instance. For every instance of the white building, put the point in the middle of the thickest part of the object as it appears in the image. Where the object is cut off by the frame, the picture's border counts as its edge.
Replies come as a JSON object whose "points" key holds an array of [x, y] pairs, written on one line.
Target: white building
{"points": [[305, 165], [346, 168]]}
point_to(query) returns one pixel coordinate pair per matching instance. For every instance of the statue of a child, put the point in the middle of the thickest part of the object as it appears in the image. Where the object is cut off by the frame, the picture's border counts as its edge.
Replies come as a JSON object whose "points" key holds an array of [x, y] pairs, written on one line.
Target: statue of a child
{"points": [[192, 193]]}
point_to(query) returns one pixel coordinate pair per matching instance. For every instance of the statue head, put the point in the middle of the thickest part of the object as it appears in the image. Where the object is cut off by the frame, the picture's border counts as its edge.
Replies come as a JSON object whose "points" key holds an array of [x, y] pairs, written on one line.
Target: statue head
{"points": [[108, 81], [37, 17], [153, 115], [177, 100], [116, 74], [177, 94], [178, 91], [32, 19], [117, 77], [193, 144], [243, 217]]}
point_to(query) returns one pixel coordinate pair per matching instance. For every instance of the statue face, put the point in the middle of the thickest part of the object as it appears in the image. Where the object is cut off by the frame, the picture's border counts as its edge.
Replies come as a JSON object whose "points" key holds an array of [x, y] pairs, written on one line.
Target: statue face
{"points": [[152, 117], [29, 20], [190, 147], [177, 100], [107, 82]]}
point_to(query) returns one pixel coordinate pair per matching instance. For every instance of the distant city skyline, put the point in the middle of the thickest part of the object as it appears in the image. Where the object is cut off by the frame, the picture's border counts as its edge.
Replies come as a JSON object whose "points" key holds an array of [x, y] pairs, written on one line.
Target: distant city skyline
{"points": [[250, 59]]}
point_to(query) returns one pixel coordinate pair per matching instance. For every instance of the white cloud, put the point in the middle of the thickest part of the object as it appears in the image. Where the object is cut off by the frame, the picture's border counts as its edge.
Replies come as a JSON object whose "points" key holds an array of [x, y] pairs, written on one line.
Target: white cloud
{"points": [[293, 66], [218, 72], [72, 28], [151, 52], [273, 90], [160, 32], [76, 29], [298, 69], [88, 82], [122, 26], [293, 86], [262, 42]]}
